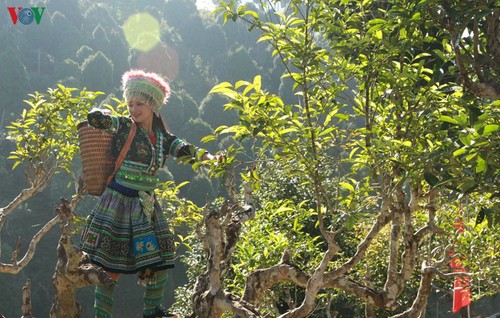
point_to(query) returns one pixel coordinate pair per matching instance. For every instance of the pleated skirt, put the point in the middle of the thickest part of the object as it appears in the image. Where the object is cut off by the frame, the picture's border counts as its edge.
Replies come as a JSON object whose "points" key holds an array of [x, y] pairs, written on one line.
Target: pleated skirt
{"points": [[120, 238]]}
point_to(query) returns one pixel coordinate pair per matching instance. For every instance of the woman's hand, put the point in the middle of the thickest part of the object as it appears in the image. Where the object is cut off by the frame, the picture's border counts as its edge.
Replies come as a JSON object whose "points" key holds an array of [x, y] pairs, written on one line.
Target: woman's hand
{"points": [[208, 156]]}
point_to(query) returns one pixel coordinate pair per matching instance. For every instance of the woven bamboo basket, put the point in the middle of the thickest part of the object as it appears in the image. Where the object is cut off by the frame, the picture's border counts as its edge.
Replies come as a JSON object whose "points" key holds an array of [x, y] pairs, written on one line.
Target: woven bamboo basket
{"points": [[97, 161]]}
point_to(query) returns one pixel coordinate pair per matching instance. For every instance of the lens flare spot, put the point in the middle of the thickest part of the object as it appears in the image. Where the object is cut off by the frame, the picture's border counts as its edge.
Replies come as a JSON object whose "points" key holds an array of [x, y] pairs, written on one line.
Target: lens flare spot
{"points": [[162, 59], [142, 31]]}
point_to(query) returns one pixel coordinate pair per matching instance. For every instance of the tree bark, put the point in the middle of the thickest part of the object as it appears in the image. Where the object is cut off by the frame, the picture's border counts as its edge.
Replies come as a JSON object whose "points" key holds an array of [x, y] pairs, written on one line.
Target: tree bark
{"points": [[27, 309], [73, 270], [221, 232]]}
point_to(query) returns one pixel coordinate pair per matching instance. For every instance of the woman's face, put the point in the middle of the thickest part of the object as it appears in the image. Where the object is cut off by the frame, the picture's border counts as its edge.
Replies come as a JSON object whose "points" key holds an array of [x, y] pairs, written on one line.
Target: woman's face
{"points": [[140, 111]]}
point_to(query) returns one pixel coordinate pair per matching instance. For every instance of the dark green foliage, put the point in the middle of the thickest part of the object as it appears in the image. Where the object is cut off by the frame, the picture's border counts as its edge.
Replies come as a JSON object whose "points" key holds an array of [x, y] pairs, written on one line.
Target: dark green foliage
{"points": [[212, 111], [194, 130], [239, 64], [98, 73], [12, 91], [68, 73], [174, 113], [200, 190]]}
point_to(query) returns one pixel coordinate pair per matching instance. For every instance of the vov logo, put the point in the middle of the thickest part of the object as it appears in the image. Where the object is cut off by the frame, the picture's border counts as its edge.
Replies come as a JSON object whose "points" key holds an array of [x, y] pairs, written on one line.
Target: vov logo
{"points": [[26, 15]]}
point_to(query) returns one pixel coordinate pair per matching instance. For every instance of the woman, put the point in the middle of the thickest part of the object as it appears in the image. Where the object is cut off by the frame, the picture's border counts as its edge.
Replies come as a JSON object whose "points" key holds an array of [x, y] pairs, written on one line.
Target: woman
{"points": [[127, 231]]}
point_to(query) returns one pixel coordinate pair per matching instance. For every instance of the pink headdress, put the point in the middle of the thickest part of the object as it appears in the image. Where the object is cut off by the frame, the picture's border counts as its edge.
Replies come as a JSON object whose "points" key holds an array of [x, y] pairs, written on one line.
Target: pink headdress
{"points": [[147, 87]]}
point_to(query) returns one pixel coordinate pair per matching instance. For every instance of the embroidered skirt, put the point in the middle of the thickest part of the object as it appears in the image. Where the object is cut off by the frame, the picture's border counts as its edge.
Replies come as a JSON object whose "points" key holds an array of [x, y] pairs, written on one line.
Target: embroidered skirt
{"points": [[121, 238]]}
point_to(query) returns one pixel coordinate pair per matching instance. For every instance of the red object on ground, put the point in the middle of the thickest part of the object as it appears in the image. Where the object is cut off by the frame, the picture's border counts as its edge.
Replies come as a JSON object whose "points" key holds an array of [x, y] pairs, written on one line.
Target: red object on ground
{"points": [[461, 286]]}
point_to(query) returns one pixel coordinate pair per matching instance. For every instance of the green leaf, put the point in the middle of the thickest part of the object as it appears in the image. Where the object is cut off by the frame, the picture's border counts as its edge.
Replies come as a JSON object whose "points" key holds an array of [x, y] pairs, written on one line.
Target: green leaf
{"points": [[376, 21], [459, 152], [481, 165], [347, 186], [283, 209], [285, 131], [431, 179], [448, 119], [222, 88], [350, 222], [265, 38], [251, 13], [374, 29], [471, 155], [296, 224], [353, 151], [467, 186], [466, 139], [342, 117], [488, 129], [208, 138], [257, 83], [17, 163]]}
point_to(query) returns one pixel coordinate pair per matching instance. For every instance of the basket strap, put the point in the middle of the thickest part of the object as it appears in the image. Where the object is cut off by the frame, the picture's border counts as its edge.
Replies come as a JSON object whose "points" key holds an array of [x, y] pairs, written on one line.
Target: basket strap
{"points": [[124, 151]]}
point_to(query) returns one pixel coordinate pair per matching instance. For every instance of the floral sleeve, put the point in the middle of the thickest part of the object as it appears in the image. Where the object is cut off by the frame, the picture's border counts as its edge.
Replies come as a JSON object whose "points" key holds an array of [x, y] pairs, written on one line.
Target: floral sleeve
{"points": [[106, 122], [178, 148]]}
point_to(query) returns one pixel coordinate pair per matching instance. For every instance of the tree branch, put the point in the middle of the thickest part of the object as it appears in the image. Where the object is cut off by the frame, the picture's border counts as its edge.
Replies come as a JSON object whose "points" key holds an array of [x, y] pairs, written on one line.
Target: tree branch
{"points": [[263, 279], [219, 232], [314, 284], [383, 219], [16, 267], [27, 309], [484, 89], [428, 274], [39, 182]]}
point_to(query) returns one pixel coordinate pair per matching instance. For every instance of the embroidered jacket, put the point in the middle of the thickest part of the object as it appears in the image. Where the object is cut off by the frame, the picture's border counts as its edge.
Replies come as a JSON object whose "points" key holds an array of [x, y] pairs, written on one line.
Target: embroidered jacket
{"points": [[146, 155]]}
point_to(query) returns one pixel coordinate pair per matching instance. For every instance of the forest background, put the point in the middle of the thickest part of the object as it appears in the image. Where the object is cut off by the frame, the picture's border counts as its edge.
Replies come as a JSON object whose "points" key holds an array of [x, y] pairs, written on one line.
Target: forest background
{"points": [[85, 44]]}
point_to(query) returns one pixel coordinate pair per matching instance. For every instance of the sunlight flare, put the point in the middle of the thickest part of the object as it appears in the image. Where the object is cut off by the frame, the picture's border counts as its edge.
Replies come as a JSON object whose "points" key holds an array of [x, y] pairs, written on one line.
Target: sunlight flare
{"points": [[142, 31]]}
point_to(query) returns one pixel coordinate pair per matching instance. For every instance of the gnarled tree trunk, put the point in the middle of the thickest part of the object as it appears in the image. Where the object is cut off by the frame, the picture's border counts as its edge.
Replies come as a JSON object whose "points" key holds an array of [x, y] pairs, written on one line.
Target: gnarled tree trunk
{"points": [[73, 271], [220, 230]]}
